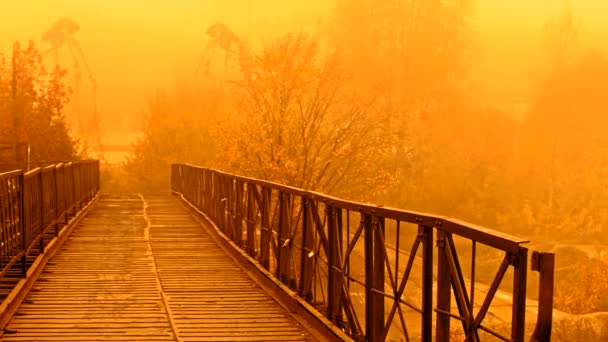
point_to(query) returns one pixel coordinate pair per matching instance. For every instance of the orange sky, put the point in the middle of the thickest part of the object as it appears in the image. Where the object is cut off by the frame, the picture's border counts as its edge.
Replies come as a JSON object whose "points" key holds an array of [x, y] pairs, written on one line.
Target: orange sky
{"points": [[137, 46]]}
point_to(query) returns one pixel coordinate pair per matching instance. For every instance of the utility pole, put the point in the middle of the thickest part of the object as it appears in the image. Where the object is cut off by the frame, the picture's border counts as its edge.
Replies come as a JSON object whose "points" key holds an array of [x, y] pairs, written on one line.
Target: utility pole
{"points": [[14, 98], [17, 145]]}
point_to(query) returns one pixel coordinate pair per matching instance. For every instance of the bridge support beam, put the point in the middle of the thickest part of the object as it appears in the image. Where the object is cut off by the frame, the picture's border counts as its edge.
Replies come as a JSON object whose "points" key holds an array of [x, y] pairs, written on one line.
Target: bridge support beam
{"points": [[426, 234], [520, 264], [306, 257], [544, 263], [444, 288], [374, 279]]}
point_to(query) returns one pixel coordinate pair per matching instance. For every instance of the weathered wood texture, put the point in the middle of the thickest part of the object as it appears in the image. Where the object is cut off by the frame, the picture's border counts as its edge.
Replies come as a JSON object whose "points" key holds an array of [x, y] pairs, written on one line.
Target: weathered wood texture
{"points": [[143, 269]]}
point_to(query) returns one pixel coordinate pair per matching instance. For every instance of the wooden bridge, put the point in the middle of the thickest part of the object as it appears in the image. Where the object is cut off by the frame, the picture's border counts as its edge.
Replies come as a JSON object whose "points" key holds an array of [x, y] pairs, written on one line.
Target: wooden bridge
{"points": [[229, 258]]}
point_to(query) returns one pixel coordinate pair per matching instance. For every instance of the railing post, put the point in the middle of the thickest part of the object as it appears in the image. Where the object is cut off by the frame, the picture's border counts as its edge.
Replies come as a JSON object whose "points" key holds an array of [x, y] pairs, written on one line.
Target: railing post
{"points": [[444, 288], [378, 223], [518, 319], [306, 257], [226, 190], [56, 197], [80, 185], [66, 196], [265, 234], [426, 234], [172, 178], [284, 234], [92, 189], [229, 192], [205, 191], [76, 178], [22, 223], [223, 204], [335, 276], [332, 249], [544, 263], [229, 206], [280, 237], [74, 189], [211, 196], [234, 201], [87, 182], [201, 189], [217, 199], [369, 275], [374, 280], [250, 221], [41, 212], [97, 177], [208, 190], [238, 217], [195, 188]]}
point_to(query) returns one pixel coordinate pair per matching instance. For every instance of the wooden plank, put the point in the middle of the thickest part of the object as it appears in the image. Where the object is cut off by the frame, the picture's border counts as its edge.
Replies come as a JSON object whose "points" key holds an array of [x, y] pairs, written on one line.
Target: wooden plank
{"points": [[219, 301], [145, 270], [18, 293]]}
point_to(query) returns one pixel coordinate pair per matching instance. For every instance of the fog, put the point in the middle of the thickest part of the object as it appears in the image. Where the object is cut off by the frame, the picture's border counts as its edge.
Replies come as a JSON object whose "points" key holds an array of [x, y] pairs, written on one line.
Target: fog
{"points": [[138, 46], [491, 111]]}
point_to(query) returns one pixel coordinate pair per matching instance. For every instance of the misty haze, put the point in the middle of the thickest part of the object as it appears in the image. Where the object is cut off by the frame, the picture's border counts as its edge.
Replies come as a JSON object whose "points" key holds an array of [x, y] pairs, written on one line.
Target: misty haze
{"points": [[246, 170]]}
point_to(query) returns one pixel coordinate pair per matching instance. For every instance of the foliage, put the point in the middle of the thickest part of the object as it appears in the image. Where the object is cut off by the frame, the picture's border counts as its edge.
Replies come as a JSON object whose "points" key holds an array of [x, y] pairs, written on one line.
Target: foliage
{"points": [[564, 158], [37, 116], [300, 127], [415, 140], [177, 128], [542, 176], [114, 178], [566, 150], [583, 291]]}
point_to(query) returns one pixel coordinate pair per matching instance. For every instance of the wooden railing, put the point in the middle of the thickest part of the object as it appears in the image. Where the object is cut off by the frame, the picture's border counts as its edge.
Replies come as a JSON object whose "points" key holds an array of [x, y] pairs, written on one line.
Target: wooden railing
{"points": [[37, 204], [373, 271]]}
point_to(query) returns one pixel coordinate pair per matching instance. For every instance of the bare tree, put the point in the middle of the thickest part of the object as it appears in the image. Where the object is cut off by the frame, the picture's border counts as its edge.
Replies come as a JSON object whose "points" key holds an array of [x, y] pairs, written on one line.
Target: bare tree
{"points": [[300, 127]]}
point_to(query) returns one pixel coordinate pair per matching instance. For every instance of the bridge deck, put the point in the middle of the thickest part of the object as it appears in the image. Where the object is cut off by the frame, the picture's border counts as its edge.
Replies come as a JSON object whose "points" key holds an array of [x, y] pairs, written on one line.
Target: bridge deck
{"points": [[144, 269]]}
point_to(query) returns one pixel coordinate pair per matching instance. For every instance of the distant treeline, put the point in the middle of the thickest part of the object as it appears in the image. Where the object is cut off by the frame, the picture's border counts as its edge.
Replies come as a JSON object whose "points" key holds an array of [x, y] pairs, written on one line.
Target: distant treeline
{"points": [[32, 109]]}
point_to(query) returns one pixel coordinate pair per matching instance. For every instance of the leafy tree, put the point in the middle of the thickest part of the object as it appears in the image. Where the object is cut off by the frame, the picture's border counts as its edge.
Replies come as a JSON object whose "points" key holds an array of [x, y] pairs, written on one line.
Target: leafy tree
{"points": [[300, 127], [36, 115], [584, 289]]}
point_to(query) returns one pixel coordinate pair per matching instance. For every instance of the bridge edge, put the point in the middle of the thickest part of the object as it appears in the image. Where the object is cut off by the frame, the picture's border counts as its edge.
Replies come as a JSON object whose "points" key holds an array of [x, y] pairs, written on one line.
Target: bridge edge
{"points": [[316, 324], [15, 298]]}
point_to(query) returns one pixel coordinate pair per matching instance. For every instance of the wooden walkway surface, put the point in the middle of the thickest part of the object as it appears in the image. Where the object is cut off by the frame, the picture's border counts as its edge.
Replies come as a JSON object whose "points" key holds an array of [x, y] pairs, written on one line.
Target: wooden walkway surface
{"points": [[138, 269]]}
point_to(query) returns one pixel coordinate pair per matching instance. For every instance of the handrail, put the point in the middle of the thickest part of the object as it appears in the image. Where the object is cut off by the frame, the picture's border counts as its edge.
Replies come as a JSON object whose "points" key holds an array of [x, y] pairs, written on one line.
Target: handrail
{"points": [[39, 203], [343, 257]]}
